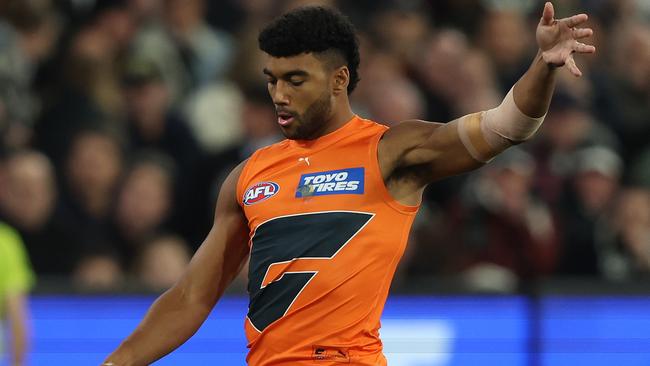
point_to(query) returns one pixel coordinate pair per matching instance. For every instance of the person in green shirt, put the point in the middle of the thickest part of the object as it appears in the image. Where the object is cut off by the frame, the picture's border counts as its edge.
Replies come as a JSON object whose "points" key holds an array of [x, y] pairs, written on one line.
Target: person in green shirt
{"points": [[16, 279]]}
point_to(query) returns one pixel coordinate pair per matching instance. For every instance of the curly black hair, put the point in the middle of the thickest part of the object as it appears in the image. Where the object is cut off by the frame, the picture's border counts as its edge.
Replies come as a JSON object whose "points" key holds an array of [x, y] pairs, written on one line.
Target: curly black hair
{"points": [[313, 29]]}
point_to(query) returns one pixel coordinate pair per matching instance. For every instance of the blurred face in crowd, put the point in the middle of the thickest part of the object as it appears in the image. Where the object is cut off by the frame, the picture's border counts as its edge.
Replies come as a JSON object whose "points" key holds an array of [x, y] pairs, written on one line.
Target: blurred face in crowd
{"points": [[27, 192], [567, 127], [633, 208], [595, 189], [633, 221], [94, 165], [440, 64], [183, 15], [144, 201], [406, 101], [163, 262], [301, 89], [118, 24], [632, 55], [504, 35], [145, 9], [408, 29], [258, 120], [514, 183], [147, 105], [98, 272]]}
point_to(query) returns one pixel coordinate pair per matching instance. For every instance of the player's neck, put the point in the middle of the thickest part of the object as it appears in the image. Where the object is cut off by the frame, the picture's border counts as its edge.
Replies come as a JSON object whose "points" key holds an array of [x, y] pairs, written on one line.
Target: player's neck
{"points": [[341, 114]]}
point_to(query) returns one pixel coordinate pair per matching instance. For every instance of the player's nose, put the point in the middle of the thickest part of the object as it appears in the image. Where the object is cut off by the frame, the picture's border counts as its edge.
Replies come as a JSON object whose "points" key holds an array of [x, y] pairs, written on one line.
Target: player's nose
{"points": [[280, 94]]}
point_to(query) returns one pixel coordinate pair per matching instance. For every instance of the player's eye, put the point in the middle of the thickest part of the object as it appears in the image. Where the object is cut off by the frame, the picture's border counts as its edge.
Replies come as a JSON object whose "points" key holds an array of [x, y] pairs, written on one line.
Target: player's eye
{"points": [[296, 82]]}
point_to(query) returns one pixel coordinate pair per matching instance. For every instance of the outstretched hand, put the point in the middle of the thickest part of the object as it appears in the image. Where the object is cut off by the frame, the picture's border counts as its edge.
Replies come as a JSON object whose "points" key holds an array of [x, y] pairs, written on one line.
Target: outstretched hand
{"points": [[558, 39]]}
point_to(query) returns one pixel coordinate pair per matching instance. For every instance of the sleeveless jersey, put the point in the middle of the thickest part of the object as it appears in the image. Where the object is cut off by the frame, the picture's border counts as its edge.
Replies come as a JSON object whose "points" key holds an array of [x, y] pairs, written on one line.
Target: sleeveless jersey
{"points": [[326, 237]]}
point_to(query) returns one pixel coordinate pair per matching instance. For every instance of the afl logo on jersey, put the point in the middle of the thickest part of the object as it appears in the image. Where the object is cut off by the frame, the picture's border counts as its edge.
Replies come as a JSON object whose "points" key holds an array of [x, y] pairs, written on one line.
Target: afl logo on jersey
{"points": [[260, 192]]}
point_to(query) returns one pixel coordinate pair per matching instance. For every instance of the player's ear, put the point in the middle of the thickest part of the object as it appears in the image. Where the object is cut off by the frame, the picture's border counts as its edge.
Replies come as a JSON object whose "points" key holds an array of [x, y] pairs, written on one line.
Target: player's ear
{"points": [[341, 80]]}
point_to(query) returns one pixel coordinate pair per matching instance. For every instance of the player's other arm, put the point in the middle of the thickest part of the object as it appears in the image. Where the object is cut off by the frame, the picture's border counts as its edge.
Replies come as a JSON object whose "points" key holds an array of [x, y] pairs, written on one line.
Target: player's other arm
{"points": [[438, 150], [177, 314]]}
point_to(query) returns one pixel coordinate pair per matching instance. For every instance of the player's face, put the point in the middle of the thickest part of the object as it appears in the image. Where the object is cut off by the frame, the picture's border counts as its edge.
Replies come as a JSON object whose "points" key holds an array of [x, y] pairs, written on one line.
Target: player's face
{"points": [[300, 87]]}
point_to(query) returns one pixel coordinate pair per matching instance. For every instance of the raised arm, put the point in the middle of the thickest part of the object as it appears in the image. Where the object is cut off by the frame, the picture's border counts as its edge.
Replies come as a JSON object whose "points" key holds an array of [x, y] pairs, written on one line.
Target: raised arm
{"points": [[177, 314], [426, 151]]}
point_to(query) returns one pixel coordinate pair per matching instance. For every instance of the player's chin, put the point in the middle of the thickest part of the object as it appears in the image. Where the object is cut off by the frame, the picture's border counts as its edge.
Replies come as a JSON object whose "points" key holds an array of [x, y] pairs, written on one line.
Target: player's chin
{"points": [[290, 132]]}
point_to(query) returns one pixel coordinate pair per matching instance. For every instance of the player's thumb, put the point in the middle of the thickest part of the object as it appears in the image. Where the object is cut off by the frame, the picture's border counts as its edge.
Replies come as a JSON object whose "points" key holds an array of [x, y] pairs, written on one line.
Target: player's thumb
{"points": [[547, 14]]}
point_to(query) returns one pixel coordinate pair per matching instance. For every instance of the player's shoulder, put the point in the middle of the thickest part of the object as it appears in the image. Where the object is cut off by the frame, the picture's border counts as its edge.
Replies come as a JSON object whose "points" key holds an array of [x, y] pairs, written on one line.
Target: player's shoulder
{"points": [[265, 156], [270, 150], [366, 123], [409, 131]]}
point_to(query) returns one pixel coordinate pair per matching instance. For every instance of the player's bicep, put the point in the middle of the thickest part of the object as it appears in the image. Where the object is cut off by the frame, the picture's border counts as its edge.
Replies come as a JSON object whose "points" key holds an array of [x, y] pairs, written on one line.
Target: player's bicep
{"points": [[223, 252], [436, 148]]}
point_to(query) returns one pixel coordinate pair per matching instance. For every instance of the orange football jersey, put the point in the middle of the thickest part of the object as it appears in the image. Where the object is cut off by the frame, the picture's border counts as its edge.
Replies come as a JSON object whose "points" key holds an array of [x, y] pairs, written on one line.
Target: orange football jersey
{"points": [[326, 238]]}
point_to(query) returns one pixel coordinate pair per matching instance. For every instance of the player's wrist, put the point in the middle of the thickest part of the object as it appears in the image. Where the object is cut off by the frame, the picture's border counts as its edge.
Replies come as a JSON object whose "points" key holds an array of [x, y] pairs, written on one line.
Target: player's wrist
{"points": [[543, 58]]}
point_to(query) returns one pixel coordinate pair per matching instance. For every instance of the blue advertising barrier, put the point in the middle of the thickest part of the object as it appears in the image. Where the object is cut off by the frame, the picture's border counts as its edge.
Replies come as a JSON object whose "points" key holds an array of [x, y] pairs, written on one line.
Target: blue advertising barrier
{"points": [[416, 330]]}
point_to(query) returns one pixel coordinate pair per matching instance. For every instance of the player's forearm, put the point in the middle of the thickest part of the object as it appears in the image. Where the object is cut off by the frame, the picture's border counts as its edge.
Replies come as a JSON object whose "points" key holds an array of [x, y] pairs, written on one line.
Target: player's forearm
{"points": [[534, 90], [170, 321]]}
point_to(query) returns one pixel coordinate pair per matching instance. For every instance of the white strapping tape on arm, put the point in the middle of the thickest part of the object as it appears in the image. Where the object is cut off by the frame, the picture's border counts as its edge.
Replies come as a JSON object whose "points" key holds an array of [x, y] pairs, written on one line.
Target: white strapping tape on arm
{"points": [[509, 122], [499, 128]]}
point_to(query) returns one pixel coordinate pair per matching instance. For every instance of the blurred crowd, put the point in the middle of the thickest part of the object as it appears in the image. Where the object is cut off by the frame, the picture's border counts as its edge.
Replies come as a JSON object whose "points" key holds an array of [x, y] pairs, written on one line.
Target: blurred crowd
{"points": [[119, 119]]}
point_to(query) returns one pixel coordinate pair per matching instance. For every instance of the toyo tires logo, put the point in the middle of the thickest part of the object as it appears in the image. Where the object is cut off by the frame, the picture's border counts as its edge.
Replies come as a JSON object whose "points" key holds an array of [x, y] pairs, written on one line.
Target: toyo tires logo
{"points": [[260, 192]]}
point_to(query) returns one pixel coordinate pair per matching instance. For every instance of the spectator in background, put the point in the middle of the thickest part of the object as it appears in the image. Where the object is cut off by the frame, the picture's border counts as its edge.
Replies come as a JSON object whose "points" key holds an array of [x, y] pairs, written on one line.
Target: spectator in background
{"points": [[257, 120], [623, 99], [152, 122], [626, 249], [99, 269], [16, 279], [507, 234], [465, 15], [430, 250], [384, 72], [97, 51], [569, 126], [205, 51], [437, 70], [28, 32], [505, 38], [188, 51], [406, 101], [162, 261], [144, 202], [92, 171], [586, 210], [408, 31], [87, 87], [455, 76], [29, 202]]}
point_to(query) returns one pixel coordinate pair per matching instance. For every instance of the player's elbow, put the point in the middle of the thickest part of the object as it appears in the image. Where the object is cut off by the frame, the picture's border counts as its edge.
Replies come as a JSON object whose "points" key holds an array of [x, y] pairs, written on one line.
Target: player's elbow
{"points": [[189, 297]]}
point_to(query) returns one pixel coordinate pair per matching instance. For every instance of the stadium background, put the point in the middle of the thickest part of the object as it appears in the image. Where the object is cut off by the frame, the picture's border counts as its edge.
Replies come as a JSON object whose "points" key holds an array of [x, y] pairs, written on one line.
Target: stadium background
{"points": [[119, 119]]}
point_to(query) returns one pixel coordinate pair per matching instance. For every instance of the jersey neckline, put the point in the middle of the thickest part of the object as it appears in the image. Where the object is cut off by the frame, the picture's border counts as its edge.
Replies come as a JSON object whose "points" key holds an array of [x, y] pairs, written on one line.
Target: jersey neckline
{"points": [[326, 139]]}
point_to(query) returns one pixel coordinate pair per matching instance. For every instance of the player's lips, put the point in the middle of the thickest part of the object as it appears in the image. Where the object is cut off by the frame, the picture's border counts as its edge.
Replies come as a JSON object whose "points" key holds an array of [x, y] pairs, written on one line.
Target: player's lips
{"points": [[285, 118]]}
